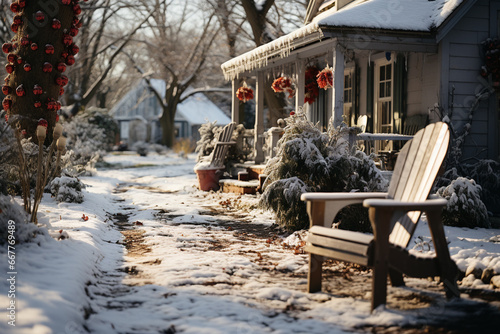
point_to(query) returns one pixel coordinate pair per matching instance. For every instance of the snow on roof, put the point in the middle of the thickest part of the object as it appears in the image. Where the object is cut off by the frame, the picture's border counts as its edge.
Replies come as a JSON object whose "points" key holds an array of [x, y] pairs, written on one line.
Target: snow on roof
{"points": [[198, 109], [413, 15], [409, 15]]}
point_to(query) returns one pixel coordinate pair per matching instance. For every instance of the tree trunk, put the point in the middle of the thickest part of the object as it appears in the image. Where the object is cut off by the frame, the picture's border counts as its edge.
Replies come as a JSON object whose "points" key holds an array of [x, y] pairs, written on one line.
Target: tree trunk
{"points": [[167, 124], [37, 56]]}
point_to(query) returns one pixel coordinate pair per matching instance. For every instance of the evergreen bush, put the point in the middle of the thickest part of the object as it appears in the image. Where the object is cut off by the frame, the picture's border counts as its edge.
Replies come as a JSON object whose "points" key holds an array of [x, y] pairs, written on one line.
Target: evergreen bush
{"points": [[309, 160]]}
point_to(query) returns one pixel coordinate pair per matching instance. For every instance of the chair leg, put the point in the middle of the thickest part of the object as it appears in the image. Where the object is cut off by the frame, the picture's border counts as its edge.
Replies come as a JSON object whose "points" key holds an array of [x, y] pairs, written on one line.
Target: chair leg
{"points": [[379, 285], [314, 276], [396, 278], [448, 267]]}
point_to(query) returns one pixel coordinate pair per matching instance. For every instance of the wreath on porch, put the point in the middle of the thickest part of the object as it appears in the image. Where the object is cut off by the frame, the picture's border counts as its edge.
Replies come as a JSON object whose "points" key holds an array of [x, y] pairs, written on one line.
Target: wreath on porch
{"points": [[491, 67], [244, 93], [325, 78], [283, 84], [311, 85]]}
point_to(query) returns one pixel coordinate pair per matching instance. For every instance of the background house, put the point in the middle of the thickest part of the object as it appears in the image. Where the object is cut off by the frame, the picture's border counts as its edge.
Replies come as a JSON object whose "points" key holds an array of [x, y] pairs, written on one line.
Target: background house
{"points": [[138, 114], [392, 60]]}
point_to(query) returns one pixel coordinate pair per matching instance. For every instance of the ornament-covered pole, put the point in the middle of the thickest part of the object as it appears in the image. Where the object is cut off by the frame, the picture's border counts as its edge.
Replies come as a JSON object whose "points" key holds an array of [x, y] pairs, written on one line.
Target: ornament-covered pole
{"points": [[37, 57]]}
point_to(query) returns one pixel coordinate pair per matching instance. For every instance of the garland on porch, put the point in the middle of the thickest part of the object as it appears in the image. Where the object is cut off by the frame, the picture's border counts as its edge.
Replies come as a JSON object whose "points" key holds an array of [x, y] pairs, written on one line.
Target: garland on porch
{"points": [[311, 85], [244, 93]]}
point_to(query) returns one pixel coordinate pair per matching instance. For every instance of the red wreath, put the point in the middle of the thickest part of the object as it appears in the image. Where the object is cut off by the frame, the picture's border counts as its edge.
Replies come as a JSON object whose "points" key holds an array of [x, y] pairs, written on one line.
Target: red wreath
{"points": [[283, 84], [244, 93], [325, 78], [311, 85]]}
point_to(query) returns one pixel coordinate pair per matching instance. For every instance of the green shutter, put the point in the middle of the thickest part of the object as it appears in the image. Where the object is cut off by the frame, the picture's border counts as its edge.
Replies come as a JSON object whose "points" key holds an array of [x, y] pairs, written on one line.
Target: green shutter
{"points": [[370, 78], [400, 88]]}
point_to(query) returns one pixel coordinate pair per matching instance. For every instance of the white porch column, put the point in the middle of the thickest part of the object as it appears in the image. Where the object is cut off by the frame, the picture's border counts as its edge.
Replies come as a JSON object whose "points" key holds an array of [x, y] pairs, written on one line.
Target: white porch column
{"points": [[235, 103], [300, 80], [259, 118], [338, 85]]}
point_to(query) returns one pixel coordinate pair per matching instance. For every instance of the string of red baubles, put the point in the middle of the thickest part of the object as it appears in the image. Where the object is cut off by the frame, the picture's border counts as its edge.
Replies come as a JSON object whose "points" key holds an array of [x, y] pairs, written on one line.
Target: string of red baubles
{"points": [[15, 62]]}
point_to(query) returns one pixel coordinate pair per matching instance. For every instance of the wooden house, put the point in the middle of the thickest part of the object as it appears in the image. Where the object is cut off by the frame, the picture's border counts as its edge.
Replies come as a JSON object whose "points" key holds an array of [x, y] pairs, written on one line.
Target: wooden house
{"points": [[139, 109], [391, 60]]}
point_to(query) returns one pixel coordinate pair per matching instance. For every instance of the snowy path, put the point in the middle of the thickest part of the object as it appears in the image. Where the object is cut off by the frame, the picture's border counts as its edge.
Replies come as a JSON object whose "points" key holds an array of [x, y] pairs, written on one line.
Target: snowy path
{"points": [[155, 255]]}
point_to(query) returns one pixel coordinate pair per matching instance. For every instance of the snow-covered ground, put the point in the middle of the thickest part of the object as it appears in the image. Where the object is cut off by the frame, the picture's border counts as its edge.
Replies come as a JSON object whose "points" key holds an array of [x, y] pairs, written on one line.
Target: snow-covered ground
{"points": [[156, 255]]}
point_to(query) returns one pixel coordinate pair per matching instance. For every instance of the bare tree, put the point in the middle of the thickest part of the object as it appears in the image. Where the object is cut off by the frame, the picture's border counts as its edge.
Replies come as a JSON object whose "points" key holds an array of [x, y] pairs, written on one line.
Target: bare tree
{"points": [[100, 44], [177, 52]]}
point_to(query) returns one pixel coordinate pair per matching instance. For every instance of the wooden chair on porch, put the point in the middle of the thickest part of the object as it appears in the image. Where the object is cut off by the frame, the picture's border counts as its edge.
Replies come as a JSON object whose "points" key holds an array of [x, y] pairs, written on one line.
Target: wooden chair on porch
{"points": [[393, 216], [222, 146]]}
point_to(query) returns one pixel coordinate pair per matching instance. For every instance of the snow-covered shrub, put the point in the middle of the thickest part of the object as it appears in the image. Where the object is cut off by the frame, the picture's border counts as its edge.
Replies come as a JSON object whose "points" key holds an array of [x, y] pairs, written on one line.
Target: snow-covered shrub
{"points": [[308, 160], [208, 134], [485, 173], [67, 189], [90, 133], [20, 227], [464, 207]]}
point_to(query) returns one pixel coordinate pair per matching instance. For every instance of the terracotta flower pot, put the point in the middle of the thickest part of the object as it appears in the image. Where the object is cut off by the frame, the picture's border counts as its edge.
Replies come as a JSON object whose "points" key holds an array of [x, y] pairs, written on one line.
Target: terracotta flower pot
{"points": [[208, 178]]}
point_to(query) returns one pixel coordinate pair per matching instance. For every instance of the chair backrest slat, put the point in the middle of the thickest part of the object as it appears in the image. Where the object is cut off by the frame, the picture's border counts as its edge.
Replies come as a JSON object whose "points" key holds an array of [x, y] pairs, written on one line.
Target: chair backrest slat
{"points": [[414, 173]]}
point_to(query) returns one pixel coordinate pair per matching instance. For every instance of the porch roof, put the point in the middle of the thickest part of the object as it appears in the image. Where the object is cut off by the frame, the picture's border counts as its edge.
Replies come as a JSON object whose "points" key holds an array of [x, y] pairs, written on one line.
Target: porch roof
{"points": [[399, 19]]}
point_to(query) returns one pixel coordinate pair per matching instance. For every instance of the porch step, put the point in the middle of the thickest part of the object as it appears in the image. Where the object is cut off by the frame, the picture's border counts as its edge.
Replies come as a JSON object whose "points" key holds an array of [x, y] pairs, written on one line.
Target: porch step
{"points": [[239, 187]]}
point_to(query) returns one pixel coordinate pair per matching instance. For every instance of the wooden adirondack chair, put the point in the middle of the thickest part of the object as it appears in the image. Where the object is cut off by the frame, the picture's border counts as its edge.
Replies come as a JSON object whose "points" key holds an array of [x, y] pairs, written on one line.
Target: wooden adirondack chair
{"points": [[394, 216], [222, 146]]}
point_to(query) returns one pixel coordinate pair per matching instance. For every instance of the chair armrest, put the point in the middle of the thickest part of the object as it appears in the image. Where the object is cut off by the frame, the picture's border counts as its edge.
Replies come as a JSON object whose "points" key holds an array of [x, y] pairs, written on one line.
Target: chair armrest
{"points": [[323, 207], [225, 143], [327, 197], [427, 205]]}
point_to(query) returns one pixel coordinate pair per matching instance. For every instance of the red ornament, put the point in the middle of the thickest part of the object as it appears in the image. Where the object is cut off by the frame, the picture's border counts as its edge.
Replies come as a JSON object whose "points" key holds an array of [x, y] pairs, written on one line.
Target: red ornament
{"points": [[37, 104], [14, 7], [56, 24], [22, 3], [37, 90], [6, 103], [77, 10], [9, 68], [66, 2], [49, 49], [47, 67], [70, 60], [61, 67], [62, 80], [75, 49], [25, 41], [40, 16], [51, 105], [34, 46], [11, 58], [57, 116], [67, 39], [244, 93], [64, 54], [311, 86], [76, 22], [61, 91], [292, 113], [20, 91], [14, 27], [42, 122], [18, 19], [6, 90], [73, 31], [27, 67], [6, 47], [325, 78], [19, 60]]}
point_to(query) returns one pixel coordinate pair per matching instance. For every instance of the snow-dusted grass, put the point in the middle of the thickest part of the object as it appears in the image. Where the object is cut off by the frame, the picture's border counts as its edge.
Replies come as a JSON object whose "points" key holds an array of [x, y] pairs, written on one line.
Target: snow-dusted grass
{"points": [[213, 264]]}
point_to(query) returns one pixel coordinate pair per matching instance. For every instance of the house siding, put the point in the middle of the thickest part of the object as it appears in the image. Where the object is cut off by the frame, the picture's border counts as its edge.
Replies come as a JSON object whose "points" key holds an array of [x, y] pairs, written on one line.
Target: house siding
{"points": [[461, 61]]}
